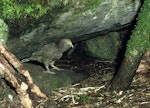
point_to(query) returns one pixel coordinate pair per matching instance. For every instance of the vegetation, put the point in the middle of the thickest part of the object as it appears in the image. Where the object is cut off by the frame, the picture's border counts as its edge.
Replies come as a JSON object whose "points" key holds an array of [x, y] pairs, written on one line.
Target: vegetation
{"points": [[137, 45], [90, 4], [84, 98], [14, 9], [140, 38], [3, 32]]}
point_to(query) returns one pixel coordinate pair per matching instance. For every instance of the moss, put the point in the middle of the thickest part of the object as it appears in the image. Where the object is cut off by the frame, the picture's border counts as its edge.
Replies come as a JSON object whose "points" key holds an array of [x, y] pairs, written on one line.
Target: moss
{"points": [[91, 4], [3, 32], [84, 99], [140, 39], [14, 9]]}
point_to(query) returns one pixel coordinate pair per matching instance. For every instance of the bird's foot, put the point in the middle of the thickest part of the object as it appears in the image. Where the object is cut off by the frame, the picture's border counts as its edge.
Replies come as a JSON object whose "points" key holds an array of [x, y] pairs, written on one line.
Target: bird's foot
{"points": [[48, 71], [56, 68]]}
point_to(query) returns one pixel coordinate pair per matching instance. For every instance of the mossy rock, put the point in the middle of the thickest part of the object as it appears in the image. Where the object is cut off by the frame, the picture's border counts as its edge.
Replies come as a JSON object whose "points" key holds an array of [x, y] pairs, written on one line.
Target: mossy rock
{"points": [[105, 47], [48, 82], [3, 32]]}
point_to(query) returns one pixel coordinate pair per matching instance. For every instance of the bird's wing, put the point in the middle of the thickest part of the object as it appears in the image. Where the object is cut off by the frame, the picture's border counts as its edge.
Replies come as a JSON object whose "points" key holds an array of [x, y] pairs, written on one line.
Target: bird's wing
{"points": [[52, 51], [40, 54], [49, 53]]}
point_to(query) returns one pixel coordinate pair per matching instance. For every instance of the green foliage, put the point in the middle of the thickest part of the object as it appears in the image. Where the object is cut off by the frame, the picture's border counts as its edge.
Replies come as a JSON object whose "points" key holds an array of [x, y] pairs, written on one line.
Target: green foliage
{"points": [[13, 9], [140, 39], [3, 32], [91, 4], [84, 98]]}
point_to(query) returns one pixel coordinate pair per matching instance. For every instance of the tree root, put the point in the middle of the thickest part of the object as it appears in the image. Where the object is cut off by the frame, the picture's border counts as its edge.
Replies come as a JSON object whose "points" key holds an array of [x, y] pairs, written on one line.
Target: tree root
{"points": [[13, 71]]}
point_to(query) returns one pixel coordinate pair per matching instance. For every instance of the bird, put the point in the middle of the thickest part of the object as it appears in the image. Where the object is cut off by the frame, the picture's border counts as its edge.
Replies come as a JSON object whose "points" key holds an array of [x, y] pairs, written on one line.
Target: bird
{"points": [[50, 53]]}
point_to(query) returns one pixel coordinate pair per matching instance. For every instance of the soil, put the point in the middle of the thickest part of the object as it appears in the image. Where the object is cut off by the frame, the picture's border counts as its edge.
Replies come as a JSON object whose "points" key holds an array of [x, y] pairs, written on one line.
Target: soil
{"points": [[91, 92]]}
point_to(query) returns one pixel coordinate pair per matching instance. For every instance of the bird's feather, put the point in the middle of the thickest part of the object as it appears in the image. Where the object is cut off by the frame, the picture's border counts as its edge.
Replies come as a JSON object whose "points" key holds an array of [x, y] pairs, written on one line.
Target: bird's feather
{"points": [[50, 52]]}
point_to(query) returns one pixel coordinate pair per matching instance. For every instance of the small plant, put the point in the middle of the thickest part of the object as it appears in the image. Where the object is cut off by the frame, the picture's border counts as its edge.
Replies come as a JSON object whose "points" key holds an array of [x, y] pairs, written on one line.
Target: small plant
{"points": [[84, 98], [14, 9]]}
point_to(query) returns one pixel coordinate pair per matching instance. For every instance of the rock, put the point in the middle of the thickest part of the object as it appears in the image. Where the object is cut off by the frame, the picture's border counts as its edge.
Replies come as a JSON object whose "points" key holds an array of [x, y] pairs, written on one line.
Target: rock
{"points": [[78, 20], [105, 47], [48, 82]]}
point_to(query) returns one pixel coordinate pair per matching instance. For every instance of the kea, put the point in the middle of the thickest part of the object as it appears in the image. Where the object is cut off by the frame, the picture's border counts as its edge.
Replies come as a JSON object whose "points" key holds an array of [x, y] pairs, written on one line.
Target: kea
{"points": [[50, 53]]}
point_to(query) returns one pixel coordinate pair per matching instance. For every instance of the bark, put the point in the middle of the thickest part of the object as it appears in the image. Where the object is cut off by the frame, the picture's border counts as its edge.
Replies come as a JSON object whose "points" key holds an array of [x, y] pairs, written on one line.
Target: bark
{"points": [[13, 71], [136, 47], [126, 72]]}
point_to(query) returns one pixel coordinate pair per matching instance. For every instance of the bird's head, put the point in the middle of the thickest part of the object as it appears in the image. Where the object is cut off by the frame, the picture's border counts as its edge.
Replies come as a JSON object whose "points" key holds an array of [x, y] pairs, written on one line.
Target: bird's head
{"points": [[65, 44]]}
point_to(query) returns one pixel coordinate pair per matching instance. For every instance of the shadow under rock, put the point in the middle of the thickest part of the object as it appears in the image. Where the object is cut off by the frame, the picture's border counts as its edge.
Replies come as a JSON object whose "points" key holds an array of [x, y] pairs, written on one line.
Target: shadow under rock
{"points": [[48, 82]]}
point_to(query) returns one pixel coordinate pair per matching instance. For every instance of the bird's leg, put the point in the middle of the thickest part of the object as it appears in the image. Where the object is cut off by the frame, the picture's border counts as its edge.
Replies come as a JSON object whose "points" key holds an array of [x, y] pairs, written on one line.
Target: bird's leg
{"points": [[48, 70], [54, 67]]}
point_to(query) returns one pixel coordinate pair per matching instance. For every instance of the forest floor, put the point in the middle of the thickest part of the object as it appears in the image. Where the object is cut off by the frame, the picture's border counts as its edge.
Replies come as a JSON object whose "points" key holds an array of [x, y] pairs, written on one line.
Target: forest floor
{"points": [[92, 92]]}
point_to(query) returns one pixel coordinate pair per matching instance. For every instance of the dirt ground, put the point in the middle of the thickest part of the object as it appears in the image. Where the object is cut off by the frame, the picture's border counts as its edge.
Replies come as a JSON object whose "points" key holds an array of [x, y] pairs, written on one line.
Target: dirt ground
{"points": [[92, 92]]}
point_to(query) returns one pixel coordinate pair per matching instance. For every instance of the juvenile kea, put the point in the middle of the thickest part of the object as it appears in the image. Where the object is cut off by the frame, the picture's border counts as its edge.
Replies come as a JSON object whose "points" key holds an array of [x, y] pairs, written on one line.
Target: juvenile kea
{"points": [[50, 53]]}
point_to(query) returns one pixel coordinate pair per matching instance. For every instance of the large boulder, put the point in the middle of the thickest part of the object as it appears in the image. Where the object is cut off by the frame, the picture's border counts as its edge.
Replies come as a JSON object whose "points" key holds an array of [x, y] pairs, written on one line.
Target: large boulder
{"points": [[77, 20], [106, 46]]}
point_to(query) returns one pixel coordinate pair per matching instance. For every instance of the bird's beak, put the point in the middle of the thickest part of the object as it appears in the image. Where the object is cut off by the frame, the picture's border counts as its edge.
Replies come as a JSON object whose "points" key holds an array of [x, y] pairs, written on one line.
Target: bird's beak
{"points": [[71, 45]]}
